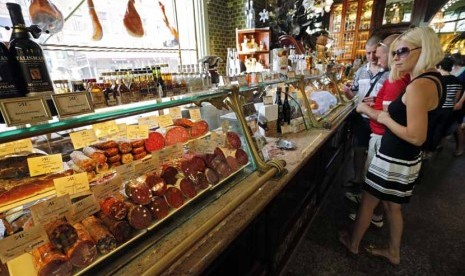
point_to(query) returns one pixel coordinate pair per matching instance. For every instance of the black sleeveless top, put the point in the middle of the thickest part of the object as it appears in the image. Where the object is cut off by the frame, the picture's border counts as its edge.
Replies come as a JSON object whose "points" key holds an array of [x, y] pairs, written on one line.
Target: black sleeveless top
{"points": [[393, 146]]}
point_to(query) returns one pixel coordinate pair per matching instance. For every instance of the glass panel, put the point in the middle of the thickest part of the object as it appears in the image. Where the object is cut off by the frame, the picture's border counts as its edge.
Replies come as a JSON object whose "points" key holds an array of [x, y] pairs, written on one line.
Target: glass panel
{"points": [[365, 16], [337, 19], [397, 11], [351, 16]]}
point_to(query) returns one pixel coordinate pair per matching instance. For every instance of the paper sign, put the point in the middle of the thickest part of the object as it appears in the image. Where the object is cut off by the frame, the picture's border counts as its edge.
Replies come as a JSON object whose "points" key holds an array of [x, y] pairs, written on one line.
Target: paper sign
{"points": [[192, 145], [121, 133], [83, 209], [27, 110], [72, 104], [108, 188], [170, 153], [175, 112], [144, 166], [165, 121], [137, 132], [194, 113], [204, 146], [16, 146], [51, 209], [151, 121], [105, 129], [24, 241], [72, 184], [126, 171], [242, 80], [83, 138], [45, 164], [217, 140]]}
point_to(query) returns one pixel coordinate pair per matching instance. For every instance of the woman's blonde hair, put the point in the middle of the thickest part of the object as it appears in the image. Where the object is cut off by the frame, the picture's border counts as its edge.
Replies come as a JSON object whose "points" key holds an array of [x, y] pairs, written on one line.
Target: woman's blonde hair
{"points": [[431, 51]]}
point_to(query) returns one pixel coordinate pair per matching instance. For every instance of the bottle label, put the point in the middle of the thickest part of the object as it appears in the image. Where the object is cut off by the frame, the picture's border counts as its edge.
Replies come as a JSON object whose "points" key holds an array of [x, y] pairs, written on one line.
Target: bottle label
{"points": [[7, 81], [35, 72]]}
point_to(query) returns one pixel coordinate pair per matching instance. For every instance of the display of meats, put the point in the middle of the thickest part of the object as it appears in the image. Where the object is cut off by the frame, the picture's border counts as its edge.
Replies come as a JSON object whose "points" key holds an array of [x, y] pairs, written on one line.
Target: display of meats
{"points": [[102, 237], [61, 234], [49, 260], [83, 251]]}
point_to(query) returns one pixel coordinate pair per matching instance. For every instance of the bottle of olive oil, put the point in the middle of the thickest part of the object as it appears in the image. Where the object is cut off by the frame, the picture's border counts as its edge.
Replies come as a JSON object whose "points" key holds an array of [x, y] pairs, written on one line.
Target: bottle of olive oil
{"points": [[10, 85], [28, 55]]}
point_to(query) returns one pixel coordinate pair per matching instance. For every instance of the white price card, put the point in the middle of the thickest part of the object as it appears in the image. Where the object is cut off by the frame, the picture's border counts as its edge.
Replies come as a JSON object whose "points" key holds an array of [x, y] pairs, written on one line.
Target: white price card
{"points": [[126, 171], [195, 115], [175, 113], [108, 188], [83, 209], [72, 104], [24, 241], [165, 121], [45, 164], [105, 129], [144, 165], [51, 209], [83, 138], [73, 184], [137, 132], [151, 121], [27, 110]]}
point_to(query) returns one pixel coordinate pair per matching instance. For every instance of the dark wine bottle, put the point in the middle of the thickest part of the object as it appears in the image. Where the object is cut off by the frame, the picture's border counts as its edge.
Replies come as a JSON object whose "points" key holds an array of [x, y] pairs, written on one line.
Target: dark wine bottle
{"points": [[279, 103], [286, 107], [28, 55], [10, 84]]}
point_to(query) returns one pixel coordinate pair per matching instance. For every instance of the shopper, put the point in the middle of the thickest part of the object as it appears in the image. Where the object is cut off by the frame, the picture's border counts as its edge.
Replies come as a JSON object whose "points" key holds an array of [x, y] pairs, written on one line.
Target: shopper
{"points": [[394, 170], [388, 93], [458, 69], [367, 82]]}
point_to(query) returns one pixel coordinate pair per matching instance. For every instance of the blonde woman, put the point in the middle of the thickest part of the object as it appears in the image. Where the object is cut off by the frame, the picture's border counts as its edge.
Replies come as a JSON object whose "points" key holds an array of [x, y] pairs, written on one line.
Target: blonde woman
{"points": [[393, 173]]}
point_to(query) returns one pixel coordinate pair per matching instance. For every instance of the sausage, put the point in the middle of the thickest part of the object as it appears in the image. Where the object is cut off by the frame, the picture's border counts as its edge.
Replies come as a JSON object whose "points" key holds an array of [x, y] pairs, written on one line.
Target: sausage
{"points": [[156, 141], [212, 176], [176, 135], [158, 207], [138, 192], [155, 183], [120, 229], [219, 153], [169, 175], [49, 260], [138, 150], [140, 155], [102, 167], [193, 165], [124, 147], [114, 208], [187, 187], [126, 158], [241, 157], [233, 140], [111, 152], [106, 145], [198, 129], [61, 234], [114, 158], [183, 122], [115, 164], [97, 155], [84, 251], [105, 241], [223, 169], [200, 181], [174, 197], [232, 163], [82, 161], [139, 217], [137, 143]]}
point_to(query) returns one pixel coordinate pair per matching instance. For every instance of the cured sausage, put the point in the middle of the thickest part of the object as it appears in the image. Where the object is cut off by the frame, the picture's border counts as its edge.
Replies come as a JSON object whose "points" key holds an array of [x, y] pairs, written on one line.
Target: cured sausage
{"points": [[61, 234], [219, 153], [120, 229], [232, 163], [84, 251], [212, 176], [169, 175], [114, 158], [126, 158], [199, 128], [97, 155], [223, 169], [105, 241], [82, 161], [138, 192], [111, 152], [137, 143], [155, 183], [233, 140], [156, 141], [174, 197], [187, 187], [114, 208], [139, 217], [124, 147], [106, 145], [49, 260], [176, 135], [158, 207], [241, 157], [183, 122], [138, 150], [115, 164], [200, 181], [140, 155]]}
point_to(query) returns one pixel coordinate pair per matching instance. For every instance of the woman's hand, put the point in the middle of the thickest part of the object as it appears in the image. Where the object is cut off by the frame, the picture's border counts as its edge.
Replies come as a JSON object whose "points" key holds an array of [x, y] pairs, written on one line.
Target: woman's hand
{"points": [[383, 117], [362, 108], [458, 106]]}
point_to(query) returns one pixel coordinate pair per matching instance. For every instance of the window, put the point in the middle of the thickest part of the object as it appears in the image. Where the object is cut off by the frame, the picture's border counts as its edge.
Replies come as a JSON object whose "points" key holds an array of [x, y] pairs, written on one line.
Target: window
{"points": [[72, 54]]}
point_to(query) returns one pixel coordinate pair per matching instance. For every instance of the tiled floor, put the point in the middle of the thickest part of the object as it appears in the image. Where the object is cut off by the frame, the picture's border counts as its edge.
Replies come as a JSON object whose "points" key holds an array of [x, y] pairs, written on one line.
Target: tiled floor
{"points": [[434, 229]]}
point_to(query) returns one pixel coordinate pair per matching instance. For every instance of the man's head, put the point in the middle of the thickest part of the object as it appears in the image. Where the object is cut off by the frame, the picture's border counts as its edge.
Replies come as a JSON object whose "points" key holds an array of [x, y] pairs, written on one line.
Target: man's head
{"points": [[446, 64], [370, 49], [382, 51]]}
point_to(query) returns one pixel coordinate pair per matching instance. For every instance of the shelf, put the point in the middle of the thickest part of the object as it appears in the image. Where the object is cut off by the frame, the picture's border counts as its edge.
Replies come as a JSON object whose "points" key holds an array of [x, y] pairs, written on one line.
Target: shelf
{"points": [[252, 52], [253, 30]]}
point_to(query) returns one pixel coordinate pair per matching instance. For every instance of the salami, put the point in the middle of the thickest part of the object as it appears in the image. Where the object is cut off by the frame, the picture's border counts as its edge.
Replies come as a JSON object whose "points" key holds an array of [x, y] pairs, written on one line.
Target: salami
{"points": [[233, 140], [183, 122], [219, 153], [105, 241], [155, 183], [241, 157], [200, 181], [169, 175], [82, 161], [212, 176], [174, 197], [114, 208], [140, 155], [126, 158], [120, 229], [115, 164], [176, 135], [156, 141], [187, 187], [223, 169], [97, 155], [137, 143], [49, 260], [138, 150], [124, 147], [107, 145], [138, 192], [139, 217], [61, 234], [111, 152], [114, 158], [199, 128], [158, 207], [232, 162], [84, 251]]}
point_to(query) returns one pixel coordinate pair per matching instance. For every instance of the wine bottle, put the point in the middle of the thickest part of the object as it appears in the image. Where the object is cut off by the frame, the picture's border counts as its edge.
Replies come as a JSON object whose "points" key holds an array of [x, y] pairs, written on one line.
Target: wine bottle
{"points": [[28, 55], [10, 85], [279, 103], [286, 107]]}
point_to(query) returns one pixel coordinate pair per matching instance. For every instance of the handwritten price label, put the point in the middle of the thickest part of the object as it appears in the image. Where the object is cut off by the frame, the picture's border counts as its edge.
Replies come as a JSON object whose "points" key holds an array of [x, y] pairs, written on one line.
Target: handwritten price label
{"points": [[45, 164], [165, 121], [126, 171], [73, 184], [105, 129], [51, 209], [195, 115], [16, 146], [24, 241], [83, 138], [138, 132], [108, 188], [83, 208], [175, 113], [151, 121]]}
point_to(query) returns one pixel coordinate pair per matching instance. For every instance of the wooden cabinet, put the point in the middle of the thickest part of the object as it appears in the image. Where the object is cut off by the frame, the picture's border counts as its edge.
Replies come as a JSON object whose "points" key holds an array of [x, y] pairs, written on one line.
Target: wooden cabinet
{"points": [[350, 26], [254, 43]]}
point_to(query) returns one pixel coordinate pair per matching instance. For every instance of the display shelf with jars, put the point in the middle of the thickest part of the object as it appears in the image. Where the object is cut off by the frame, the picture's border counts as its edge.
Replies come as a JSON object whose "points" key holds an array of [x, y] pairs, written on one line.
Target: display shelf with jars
{"points": [[254, 44]]}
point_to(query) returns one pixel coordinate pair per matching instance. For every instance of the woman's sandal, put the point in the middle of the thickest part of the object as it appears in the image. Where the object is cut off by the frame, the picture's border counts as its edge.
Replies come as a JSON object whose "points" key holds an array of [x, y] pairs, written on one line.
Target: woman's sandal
{"points": [[344, 240], [371, 250]]}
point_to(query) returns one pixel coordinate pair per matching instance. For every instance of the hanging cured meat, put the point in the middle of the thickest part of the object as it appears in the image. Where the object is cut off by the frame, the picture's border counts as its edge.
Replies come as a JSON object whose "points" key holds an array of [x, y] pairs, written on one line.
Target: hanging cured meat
{"points": [[132, 21], [98, 32], [50, 261], [46, 15], [172, 29]]}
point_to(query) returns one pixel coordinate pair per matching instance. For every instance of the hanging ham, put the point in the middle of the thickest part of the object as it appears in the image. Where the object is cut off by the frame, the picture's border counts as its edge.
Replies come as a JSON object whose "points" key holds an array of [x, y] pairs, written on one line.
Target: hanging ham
{"points": [[46, 15], [132, 21], [98, 32]]}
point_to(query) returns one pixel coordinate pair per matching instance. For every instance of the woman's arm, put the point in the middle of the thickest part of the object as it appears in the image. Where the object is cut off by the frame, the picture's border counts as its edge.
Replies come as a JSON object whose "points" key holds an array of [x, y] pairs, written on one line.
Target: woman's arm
{"points": [[460, 102], [420, 97], [368, 110]]}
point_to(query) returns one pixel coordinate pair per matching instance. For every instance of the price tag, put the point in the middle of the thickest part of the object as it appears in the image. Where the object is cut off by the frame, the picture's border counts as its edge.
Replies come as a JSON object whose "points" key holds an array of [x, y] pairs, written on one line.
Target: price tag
{"points": [[259, 77], [175, 113], [105, 129], [192, 145], [217, 140], [72, 104], [204, 146], [137, 132], [83, 208], [291, 75], [45, 164], [27, 110], [16, 146], [51, 209], [122, 132], [195, 115], [170, 153], [83, 138], [126, 171], [165, 121], [144, 166], [151, 121], [24, 241], [108, 188], [225, 126], [242, 79], [72, 184]]}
